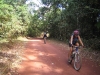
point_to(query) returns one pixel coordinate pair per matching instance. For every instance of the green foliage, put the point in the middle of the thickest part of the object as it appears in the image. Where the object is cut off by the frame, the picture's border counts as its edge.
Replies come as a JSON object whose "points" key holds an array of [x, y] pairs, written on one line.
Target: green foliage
{"points": [[14, 2], [98, 24], [5, 13], [92, 43], [59, 17], [35, 27], [14, 19], [64, 16]]}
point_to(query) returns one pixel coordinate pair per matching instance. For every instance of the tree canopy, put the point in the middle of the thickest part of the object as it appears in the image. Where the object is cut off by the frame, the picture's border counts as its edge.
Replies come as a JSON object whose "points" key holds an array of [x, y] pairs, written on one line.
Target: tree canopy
{"points": [[59, 17]]}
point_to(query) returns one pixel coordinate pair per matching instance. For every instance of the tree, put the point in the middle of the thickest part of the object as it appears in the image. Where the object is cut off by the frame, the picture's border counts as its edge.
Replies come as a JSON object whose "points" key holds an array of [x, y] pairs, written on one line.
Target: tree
{"points": [[14, 19]]}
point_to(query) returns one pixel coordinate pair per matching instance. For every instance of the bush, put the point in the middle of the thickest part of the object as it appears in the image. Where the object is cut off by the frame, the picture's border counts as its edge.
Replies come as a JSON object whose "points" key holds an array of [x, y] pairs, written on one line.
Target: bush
{"points": [[92, 43]]}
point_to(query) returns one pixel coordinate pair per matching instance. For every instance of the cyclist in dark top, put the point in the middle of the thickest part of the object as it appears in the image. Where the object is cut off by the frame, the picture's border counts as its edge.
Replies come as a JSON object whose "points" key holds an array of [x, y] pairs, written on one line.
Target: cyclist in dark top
{"points": [[44, 37], [74, 40]]}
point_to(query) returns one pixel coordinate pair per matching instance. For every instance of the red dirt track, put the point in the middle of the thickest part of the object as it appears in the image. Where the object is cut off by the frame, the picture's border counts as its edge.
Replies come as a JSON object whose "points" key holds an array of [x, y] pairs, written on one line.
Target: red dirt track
{"points": [[51, 59]]}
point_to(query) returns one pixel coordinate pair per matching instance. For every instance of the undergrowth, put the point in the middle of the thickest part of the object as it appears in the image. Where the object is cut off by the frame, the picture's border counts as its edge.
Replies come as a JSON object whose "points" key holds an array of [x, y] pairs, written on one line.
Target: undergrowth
{"points": [[10, 57]]}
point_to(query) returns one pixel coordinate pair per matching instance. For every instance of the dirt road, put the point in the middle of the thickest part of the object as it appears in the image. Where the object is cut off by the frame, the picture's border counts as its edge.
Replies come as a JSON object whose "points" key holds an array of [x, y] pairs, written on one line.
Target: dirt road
{"points": [[51, 59]]}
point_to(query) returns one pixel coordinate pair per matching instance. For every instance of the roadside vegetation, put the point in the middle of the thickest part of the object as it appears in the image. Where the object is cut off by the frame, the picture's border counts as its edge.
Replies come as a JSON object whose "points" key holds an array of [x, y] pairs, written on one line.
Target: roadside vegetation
{"points": [[11, 56]]}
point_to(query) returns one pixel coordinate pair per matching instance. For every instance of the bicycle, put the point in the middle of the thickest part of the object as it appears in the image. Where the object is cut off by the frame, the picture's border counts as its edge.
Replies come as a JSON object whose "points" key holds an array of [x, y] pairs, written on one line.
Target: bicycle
{"points": [[45, 40], [77, 63]]}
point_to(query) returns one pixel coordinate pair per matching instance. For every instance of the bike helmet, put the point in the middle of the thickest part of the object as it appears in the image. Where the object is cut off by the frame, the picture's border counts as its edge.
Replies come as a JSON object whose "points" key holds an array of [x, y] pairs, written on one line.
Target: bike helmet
{"points": [[76, 32]]}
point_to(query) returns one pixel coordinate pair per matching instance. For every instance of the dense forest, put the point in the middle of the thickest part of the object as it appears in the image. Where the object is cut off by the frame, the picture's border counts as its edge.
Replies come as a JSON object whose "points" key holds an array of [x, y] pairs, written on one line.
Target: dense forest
{"points": [[58, 17]]}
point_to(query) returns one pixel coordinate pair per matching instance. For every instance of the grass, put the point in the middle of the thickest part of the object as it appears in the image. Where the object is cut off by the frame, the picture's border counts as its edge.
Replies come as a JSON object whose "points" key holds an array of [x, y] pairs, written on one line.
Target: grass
{"points": [[3, 40], [10, 55]]}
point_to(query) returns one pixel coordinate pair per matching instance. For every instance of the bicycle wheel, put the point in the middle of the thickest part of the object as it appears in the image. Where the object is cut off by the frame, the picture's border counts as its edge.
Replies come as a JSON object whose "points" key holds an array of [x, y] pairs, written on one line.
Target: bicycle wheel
{"points": [[44, 40], [77, 62]]}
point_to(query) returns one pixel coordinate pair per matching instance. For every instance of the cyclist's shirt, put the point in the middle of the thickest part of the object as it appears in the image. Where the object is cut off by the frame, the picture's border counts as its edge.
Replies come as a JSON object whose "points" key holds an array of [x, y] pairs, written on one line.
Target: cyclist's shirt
{"points": [[75, 39]]}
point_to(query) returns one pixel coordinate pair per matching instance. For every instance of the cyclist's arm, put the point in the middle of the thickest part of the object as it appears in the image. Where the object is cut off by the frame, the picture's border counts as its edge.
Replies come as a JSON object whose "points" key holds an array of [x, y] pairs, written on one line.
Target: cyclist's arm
{"points": [[80, 40], [71, 39]]}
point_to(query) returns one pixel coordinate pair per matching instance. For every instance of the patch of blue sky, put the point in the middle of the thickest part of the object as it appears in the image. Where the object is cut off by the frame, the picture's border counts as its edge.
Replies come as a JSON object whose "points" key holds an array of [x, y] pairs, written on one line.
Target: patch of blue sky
{"points": [[34, 5], [61, 7], [37, 3]]}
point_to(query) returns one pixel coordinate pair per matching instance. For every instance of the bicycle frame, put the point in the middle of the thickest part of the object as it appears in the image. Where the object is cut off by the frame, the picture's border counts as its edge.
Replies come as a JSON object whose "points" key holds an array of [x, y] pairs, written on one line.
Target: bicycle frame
{"points": [[76, 56], [76, 50], [77, 59]]}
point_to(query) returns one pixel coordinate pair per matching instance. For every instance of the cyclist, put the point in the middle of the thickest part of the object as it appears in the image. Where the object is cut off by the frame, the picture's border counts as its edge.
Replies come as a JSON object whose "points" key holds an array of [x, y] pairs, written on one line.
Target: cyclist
{"points": [[74, 40], [44, 37]]}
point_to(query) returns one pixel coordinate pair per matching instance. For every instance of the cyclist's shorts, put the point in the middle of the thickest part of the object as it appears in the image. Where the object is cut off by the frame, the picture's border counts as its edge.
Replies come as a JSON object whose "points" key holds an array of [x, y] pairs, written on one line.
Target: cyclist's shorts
{"points": [[45, 35]]}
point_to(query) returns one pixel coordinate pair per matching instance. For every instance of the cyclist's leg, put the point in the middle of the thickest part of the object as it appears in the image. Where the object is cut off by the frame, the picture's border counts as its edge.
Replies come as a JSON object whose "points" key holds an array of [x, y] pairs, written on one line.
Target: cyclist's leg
{"points": [[69, 53], [77, 44], [45, 40]]}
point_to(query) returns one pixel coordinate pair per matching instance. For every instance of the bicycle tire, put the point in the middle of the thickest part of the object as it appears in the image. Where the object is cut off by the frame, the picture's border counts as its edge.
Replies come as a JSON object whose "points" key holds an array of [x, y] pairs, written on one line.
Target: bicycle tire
{"points": [[44, 40], [77, 62]]}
